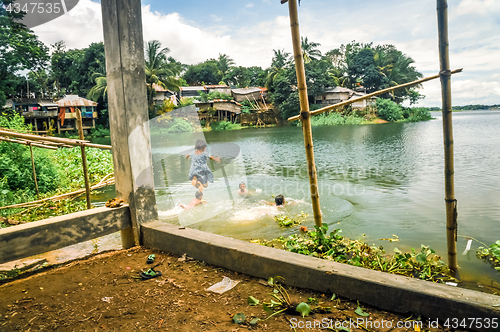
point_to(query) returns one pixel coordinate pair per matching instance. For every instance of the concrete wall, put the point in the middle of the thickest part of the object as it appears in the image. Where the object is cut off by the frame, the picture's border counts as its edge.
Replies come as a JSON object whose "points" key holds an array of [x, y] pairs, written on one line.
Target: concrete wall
{"points": [[383, 290]]}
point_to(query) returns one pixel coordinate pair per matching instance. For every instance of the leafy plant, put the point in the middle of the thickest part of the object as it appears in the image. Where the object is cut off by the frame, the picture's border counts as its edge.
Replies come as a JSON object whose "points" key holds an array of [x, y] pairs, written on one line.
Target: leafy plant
{"points": [[286, 221], [335, 119], [389, 110], [491, 254], [224, 125], [333, 246]]}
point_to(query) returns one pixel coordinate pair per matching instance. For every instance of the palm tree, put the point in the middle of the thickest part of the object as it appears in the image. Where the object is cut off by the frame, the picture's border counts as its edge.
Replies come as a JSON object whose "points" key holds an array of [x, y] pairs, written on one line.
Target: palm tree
{"points": [[309, 50], [280, 60], [158, 70], [100, 89], [224, 63]]}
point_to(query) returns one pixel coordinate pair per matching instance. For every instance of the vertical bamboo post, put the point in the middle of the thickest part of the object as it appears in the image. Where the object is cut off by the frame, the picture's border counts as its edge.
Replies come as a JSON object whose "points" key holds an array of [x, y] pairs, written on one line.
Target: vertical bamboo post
{"points": [[84, 156], [304, 111], [451, 202], [34, 171]]}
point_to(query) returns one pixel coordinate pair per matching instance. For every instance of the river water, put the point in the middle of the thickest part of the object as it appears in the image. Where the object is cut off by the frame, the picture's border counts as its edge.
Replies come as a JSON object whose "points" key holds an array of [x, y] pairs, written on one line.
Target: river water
{"points": [[375, 181]]}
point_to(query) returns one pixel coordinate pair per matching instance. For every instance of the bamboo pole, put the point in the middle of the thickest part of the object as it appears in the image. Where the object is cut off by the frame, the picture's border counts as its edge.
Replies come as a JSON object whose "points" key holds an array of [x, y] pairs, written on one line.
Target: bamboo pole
{"points": [[451, 202], [84, 157], [34, 172], [25, 142], [305, 115], [48, 139], [373, 94]]}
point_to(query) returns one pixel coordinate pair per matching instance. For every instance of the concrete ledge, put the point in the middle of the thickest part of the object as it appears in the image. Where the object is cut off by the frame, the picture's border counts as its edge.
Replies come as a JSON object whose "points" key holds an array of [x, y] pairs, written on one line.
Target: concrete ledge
{"points": [[49, 234], [383, 290]]}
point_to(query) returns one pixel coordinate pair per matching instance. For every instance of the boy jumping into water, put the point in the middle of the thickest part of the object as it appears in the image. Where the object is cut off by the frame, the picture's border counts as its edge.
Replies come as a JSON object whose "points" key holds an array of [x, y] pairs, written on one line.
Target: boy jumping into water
{"points": [[196, 201], [199, 173]]}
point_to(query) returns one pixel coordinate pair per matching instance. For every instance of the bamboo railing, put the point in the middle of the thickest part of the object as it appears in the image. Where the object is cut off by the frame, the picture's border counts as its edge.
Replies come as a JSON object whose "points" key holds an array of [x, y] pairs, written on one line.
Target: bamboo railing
{"points": [[53, 143]]}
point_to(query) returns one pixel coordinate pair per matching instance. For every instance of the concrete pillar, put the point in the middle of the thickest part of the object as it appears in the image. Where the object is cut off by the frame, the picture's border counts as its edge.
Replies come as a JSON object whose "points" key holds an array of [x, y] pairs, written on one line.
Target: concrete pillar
{"points": [[128, 112]]}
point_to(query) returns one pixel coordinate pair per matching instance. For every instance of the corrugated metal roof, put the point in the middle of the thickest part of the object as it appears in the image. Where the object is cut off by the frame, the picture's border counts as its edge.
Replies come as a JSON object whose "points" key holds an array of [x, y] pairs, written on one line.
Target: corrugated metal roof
{"points": [[216, 86], [47, 104], [192, 88], [74, 100], [339, 89], [158, 88], [245, 91]]}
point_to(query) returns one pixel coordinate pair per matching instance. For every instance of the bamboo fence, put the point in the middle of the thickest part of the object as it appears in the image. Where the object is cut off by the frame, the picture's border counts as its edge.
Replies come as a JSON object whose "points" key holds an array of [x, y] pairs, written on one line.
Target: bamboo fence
{"points": [[54, 143]]}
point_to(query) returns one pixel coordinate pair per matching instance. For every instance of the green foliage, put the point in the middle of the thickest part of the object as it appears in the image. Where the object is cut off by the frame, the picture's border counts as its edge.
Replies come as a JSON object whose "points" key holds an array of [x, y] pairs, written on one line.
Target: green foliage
{"points": [[15, 162], [416, 114], [99, 131], [69, 165], [286, 221], [224, 125], [205, 97], [491, 254], [20, 49], [333, 246], [389, 110], [179, 125], [335, 119], [206, 72], [186, 101]]}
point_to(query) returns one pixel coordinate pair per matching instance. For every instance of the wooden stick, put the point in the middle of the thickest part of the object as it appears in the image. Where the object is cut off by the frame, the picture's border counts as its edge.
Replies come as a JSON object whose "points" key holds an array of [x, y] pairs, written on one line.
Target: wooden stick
{"points": [[376, 93], [451, 202], [84, 157], [305, 115], [24, 142], [34, 172], [51, 140]]}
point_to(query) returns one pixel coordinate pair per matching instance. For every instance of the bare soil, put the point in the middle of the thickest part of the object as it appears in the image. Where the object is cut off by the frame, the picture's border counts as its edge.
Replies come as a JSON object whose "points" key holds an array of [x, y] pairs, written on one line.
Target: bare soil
{"points": [[104, 292]]}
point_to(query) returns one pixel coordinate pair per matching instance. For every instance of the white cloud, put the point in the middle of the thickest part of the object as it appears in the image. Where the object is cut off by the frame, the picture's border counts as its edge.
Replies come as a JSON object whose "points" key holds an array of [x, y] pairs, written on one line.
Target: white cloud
{"points": [[78, 28], [250, 5]]}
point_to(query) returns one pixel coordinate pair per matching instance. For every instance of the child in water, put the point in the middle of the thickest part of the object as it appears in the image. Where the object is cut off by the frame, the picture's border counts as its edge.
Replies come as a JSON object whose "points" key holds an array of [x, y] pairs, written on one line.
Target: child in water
{"points": [[243, 189], [199, 173], [279, 200], [196, 201]]}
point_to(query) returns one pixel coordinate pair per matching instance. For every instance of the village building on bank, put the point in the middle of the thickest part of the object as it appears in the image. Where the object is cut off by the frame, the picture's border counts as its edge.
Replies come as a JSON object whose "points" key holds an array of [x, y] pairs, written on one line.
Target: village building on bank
{"points": [[339, 94], [67, 113], [163, 94], [40, 113]]}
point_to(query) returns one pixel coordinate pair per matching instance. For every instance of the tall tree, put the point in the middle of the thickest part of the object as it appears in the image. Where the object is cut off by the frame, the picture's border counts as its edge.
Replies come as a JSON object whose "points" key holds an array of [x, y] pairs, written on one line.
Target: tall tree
{"points": [[224, 64], [158, 70], [278, 63], [310, 50], [19, 49]]}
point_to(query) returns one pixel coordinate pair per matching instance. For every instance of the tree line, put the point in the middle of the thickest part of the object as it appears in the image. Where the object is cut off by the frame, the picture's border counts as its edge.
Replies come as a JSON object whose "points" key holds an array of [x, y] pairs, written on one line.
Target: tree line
{"points": [[56, 71]]}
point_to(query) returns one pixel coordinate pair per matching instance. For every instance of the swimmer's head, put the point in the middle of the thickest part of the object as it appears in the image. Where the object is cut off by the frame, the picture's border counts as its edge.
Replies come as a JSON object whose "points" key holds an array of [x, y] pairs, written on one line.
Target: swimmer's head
{"points": [[279, 200], [198, 195], [200, 145], [242, 186]]}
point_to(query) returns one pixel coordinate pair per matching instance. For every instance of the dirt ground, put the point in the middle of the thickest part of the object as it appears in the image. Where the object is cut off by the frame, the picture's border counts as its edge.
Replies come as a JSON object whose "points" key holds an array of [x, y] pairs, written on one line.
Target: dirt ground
{"points": [[104, 293]]}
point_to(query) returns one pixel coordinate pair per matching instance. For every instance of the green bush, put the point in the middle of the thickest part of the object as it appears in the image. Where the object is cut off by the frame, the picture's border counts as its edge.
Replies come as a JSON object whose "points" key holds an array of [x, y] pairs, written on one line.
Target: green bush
{"points": [[15, 162], [224, 125], [389, 110], [99, 131], [69, 165], [334, 119], [419, 114], [179, 125]]}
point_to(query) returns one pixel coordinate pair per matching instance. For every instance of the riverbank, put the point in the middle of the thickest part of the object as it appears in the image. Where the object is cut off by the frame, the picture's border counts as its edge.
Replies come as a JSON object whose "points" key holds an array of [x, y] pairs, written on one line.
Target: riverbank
{"points": [[105, 292]]}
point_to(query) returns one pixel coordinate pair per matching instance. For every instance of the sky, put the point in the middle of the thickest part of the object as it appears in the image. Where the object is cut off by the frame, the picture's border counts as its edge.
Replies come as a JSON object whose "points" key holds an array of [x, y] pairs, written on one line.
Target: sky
{"points": [[248, 31]]}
